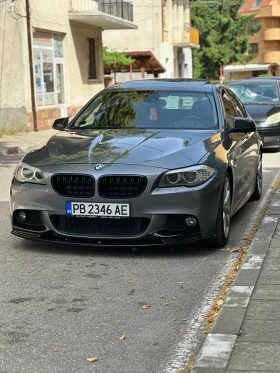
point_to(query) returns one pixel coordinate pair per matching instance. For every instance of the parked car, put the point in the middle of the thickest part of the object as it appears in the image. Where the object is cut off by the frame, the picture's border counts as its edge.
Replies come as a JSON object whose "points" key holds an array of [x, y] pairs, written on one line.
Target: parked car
{"points": [[154, 162], [261, 99]]}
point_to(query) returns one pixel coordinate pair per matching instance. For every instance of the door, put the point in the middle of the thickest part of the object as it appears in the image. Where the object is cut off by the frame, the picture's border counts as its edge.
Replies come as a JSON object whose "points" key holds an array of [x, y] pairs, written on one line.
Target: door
{"points": [[60, 88], [237, 155]]}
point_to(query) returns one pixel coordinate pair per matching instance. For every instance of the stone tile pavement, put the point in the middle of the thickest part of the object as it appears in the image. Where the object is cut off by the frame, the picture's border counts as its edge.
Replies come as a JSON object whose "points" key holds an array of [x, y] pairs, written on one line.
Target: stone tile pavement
{"points": [[23, 142], [246, 334]]}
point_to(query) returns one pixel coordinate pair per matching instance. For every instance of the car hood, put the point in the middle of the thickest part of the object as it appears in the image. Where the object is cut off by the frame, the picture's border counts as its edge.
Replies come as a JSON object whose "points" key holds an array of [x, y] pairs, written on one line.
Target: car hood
{"points": [[158, 148], [260, 112]]}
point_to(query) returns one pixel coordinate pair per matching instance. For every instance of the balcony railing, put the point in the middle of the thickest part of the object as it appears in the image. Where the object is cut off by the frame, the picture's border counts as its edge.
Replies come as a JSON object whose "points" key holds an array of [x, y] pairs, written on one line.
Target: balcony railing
{"points": [[118, 8]]}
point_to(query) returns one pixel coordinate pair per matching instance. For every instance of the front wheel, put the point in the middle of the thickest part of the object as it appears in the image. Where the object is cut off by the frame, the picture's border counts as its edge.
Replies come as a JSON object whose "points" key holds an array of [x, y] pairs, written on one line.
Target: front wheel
{"points": [[224, 215], [258, 184]]}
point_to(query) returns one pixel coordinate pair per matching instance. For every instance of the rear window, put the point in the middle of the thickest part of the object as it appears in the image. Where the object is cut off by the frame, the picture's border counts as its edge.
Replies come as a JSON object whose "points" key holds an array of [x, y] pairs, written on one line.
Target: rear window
{"points": [[149, 109]]}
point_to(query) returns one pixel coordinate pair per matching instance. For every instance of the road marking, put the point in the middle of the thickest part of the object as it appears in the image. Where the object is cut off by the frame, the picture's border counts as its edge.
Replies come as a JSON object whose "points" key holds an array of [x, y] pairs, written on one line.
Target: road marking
{"points": [[191, 341]]}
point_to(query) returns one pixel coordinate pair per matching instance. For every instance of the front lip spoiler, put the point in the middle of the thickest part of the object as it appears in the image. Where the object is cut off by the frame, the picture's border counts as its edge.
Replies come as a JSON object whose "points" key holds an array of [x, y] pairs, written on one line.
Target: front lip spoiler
{"points": [[143, 242]]}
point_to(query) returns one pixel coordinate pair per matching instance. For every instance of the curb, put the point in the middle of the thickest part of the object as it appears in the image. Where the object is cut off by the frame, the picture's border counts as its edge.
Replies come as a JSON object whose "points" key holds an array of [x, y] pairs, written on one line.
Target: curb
{"points": [[219, 343]]}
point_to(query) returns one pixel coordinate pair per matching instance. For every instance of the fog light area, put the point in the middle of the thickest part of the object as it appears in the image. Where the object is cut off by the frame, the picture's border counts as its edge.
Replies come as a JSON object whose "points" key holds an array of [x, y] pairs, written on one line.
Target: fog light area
{"points": [[191, 221]]}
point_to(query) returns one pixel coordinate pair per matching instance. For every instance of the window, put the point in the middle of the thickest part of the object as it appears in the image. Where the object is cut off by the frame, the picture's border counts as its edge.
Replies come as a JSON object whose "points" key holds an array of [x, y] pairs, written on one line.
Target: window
{"points": [[241, 112], [257, 3], [92, 59], [150, 109], [254, 48], [229, 109], [48, 53]]}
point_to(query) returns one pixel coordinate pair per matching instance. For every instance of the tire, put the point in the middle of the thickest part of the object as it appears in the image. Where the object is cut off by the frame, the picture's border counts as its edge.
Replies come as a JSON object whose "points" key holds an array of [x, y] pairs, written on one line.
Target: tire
{"points": [[223, 216], [258, 183]]}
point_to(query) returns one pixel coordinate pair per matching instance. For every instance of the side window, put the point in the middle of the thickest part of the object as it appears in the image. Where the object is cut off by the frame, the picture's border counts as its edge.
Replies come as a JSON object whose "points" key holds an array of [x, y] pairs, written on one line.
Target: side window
{"points": [[229, 109], [241, 112]]}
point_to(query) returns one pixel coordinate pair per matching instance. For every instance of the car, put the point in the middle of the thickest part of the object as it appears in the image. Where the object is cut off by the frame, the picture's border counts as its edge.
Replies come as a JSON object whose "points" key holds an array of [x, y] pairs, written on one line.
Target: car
{"points": [[152, 162], [261, 99]]}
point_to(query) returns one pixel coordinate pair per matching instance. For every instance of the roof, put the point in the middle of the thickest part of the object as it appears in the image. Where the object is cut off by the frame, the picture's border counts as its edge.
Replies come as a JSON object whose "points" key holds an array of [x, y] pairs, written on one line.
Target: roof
{"points": [[248, 67], [142, 59], [169, 84], [248, 6], [147, 60]]}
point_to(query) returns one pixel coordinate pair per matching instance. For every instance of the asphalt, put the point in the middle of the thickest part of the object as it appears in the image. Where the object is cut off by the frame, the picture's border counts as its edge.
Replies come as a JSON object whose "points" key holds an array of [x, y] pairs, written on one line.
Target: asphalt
{"points": [[246, 334]]}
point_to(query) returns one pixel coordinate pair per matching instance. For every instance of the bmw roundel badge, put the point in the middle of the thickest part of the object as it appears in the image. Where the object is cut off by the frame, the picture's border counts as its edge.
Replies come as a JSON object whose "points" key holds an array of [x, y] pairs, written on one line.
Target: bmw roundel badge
{"points": [[99, 167]]}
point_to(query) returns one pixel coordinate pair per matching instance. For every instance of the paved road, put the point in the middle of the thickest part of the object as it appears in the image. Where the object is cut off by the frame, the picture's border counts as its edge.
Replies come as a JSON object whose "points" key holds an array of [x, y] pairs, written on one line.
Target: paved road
{"points": [[62, 305]]}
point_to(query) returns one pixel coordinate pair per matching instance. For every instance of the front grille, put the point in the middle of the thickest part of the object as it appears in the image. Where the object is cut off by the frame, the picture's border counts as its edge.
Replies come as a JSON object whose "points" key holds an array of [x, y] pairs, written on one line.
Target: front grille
{"points": [[118, 186], [73, 185], [100, 226]]}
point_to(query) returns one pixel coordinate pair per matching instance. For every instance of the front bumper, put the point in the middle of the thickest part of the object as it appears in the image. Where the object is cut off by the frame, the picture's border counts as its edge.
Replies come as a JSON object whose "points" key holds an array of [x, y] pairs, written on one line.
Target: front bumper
{"points": [[270, 137], [157, 216]]}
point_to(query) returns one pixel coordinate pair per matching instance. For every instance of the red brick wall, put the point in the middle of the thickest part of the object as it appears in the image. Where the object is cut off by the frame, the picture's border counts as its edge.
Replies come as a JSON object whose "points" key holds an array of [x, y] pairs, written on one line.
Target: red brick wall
{"points": [[46, 117]]}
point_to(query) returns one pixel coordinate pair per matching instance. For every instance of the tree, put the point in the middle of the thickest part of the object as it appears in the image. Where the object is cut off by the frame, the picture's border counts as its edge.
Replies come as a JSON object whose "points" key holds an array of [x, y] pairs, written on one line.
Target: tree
{"points": [[114, 58], [223, 36]]}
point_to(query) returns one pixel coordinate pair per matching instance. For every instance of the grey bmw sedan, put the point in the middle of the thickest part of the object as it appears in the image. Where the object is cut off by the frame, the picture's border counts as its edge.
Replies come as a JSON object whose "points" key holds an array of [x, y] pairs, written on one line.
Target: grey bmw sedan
{"points": [[151, 162]]}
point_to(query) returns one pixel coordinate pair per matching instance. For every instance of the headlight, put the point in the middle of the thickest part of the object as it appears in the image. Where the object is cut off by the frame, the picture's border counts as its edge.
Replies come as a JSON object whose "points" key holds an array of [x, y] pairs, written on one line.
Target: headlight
{"points": [[29, 174], [271, 121], [190, 176]]}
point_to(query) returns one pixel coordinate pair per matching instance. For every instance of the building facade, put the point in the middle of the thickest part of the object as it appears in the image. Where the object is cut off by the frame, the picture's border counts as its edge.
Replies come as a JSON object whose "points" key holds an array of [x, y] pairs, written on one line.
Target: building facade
{"points": [[266, 42], [164, 33], [66, 46]]}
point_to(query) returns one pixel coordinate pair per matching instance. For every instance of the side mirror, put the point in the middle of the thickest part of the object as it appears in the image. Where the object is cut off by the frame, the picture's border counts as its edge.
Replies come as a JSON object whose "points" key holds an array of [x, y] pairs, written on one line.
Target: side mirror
{"points": [[243, 125], [60, 124]]}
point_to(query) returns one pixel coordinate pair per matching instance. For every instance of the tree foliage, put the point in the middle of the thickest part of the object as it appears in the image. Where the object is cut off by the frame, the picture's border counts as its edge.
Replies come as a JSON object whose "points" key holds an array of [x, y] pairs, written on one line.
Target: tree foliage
{"points": [[223, 36], [111, 57]]}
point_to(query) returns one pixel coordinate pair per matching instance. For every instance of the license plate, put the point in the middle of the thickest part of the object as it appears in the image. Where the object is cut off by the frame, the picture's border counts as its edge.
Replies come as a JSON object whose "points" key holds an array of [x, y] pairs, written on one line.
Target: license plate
{"points": [[97, 209]]}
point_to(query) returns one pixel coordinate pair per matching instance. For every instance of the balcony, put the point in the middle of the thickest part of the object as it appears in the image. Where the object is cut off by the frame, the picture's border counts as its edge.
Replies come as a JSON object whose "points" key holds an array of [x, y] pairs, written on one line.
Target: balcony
{"points": [[185, 37], [271, 57], [106, 14], [269, 11], [271, 34]]}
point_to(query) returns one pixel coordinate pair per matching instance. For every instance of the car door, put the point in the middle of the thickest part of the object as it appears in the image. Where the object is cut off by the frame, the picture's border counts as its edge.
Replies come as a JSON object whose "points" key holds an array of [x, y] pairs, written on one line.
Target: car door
{"points": [[250, 147], [238, 154]]}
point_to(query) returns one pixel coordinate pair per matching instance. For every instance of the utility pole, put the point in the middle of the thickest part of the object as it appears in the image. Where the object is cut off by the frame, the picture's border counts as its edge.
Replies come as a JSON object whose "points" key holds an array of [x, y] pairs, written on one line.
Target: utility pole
{"points": [[32, 83]]}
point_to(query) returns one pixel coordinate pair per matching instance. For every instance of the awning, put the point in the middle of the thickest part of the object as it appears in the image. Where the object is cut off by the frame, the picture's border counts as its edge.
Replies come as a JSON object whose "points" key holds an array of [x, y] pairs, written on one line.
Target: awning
{"points": [[144, 61], [147, 60], [248, 67]]}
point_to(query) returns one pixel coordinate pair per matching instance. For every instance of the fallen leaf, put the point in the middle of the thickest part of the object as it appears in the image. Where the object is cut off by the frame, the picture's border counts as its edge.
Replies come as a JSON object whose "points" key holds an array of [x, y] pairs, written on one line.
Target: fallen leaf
{"points": [[166, 273], [180, 282], [234, 249], [161, 296], [205, 259], [134, 249], [131, 281], [186, 332], [174, 319], [92, 359], [200, 321], [184, 319], [145, 307], [220, 302], [166, 304], [55, 350], [123, 337]]}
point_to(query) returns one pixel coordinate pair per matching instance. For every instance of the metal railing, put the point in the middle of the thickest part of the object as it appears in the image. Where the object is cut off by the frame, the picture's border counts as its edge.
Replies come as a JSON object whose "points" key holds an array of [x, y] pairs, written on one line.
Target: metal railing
{"points": [[118, 8]]}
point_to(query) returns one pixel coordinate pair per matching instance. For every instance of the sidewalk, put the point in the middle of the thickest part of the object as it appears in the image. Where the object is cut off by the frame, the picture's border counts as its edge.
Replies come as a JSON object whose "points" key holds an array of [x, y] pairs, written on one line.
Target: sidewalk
{"points": [[23, 142], [246, 334]]}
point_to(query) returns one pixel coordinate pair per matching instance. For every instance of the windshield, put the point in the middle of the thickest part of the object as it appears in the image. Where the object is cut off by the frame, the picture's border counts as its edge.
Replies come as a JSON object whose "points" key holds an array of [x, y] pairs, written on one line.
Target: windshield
{"points": [[149, 109], [256, 93]]}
